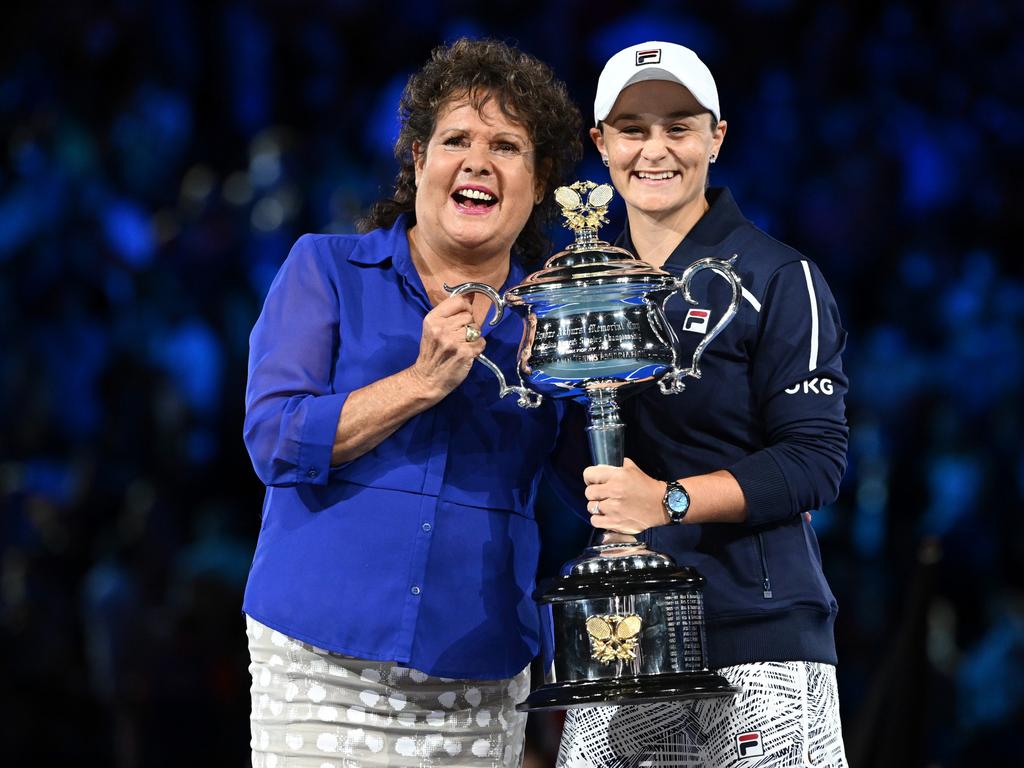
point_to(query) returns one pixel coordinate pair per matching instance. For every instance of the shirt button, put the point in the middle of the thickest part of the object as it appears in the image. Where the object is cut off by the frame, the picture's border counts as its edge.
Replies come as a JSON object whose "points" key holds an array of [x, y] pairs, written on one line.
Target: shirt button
{"points": [[312, 472], [427, 527], [415, 590]]}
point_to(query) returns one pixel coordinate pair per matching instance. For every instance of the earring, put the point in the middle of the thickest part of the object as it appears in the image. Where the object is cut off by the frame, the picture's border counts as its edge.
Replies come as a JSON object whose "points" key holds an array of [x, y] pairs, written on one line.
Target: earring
{"points": [[712, 158], [604, 159]]}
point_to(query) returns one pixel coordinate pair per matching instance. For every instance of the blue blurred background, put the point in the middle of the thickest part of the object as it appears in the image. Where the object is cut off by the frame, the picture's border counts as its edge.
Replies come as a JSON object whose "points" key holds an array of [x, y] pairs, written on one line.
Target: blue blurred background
{"points": [[157, 159]]}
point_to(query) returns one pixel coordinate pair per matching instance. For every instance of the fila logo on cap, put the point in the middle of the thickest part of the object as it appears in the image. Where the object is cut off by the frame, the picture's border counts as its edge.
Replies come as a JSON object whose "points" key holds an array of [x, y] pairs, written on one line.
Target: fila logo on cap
{"points": [[696, 320], [650, 56], [749, 744]]}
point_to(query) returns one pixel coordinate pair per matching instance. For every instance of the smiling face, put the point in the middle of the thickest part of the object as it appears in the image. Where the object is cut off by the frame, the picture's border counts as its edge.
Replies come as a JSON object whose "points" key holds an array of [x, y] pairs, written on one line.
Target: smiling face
{"points": [[658, 140], [476, 182]]}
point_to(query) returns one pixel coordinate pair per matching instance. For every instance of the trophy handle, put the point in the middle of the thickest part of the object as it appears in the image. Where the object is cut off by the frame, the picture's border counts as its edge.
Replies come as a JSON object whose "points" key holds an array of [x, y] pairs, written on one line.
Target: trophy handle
{"points": [[672, 382], [527, 397]]}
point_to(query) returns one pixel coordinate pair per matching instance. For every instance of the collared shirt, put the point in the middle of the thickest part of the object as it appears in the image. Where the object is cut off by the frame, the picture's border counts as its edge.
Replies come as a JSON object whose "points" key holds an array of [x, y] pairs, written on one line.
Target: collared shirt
{"points": [[423, 550]]}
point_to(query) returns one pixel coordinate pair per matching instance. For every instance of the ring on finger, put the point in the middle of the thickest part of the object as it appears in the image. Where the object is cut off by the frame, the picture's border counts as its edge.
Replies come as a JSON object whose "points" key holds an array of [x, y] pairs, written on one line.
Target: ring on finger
{"points": [[597, 507], [472, 332]]}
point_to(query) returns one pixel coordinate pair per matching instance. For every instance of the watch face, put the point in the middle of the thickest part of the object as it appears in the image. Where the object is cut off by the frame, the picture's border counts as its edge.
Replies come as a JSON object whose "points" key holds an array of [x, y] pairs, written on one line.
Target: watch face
{"points": [[677, 500]]}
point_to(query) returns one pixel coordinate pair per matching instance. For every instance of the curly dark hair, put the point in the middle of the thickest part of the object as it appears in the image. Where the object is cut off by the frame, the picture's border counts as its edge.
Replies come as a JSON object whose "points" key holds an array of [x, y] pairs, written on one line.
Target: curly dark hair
{"points": [[526, 91]]}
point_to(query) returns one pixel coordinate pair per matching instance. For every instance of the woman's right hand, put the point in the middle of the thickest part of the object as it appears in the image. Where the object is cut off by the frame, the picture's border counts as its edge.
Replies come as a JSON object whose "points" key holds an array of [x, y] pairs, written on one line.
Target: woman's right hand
{"points": [[372, 413], [445, 356]]}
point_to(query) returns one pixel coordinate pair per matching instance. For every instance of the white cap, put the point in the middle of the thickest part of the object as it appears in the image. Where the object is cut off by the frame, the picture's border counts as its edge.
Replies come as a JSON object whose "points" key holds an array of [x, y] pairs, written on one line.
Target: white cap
{"points": [[655, 61]]}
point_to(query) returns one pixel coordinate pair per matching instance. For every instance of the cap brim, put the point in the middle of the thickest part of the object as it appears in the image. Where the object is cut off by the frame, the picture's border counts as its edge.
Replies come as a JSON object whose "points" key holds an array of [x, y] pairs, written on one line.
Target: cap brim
{"points": [[652, 73]]}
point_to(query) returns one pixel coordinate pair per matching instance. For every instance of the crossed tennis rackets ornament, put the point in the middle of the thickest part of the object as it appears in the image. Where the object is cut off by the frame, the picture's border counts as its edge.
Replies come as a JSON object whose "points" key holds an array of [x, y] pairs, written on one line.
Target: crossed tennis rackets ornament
{"points": [[613, 638]]}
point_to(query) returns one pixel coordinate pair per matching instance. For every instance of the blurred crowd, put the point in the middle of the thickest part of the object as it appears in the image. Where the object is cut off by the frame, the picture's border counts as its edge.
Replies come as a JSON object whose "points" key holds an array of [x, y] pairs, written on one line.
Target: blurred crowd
{"points": [[157, 160]]}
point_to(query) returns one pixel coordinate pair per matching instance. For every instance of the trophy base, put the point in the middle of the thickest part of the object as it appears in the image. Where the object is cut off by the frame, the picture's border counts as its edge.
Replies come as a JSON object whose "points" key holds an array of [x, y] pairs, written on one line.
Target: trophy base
{"points": [[629, 690]]}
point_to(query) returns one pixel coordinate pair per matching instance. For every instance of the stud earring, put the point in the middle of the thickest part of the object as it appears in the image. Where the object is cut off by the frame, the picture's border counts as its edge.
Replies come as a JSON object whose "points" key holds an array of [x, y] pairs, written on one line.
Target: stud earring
{"points": [[711, 159], [604, 159]]}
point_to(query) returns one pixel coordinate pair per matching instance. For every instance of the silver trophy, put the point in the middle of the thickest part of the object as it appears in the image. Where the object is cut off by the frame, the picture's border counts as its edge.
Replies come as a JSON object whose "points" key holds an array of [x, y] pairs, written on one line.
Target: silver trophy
{"points": [[628, 622]]}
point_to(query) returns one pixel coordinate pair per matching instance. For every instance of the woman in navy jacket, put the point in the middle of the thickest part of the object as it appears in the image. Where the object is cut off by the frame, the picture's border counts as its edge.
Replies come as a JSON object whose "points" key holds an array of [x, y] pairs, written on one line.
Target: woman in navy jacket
{"points": [[723, 476]]}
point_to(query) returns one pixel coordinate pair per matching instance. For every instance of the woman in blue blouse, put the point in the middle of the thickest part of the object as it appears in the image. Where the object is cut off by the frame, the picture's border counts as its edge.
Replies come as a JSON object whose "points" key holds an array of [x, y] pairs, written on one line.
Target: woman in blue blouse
{"points": [[389, 611]]}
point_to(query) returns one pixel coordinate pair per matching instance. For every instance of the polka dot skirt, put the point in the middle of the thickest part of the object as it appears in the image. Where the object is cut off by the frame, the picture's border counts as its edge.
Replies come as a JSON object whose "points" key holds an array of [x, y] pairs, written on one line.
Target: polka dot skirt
{"points": [[316, 709]]}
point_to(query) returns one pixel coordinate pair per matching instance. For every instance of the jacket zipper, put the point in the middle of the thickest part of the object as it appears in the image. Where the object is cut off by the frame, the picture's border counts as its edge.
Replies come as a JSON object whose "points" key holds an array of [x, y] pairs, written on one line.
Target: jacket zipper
{"points": [[766, 581]]}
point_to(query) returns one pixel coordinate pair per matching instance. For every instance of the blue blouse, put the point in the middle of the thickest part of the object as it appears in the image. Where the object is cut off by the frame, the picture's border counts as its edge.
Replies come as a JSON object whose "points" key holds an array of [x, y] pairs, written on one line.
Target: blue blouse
{"points": [[423, 550]]}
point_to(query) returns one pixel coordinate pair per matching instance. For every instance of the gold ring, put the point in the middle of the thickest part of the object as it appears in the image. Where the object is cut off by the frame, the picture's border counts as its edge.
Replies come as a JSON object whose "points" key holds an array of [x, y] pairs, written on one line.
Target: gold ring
{"points": [[472, 332]]}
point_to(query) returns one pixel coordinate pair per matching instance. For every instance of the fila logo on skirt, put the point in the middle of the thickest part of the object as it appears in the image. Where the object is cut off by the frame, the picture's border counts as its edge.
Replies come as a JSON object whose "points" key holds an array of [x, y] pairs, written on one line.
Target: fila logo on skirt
{"points": [[749, 744]]}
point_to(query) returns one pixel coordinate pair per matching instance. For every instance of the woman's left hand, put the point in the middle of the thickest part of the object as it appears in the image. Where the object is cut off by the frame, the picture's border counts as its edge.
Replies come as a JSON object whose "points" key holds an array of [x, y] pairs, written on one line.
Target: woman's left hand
{"points": [[624, 499]]}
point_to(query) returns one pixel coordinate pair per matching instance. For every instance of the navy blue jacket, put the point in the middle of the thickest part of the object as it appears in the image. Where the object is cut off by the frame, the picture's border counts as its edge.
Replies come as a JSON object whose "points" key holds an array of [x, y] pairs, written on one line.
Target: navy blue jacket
{"points": [[770, 409]]}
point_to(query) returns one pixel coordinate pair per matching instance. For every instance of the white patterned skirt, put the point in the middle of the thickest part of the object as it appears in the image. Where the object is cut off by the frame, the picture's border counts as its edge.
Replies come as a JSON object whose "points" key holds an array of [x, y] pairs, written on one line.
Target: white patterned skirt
{"points": [[786, 716], [315, 709]]}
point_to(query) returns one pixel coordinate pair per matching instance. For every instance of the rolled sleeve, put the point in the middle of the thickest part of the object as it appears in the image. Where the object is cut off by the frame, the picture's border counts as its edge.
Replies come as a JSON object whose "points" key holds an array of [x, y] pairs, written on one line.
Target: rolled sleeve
{"points": [[319, 429], [764, 488]]}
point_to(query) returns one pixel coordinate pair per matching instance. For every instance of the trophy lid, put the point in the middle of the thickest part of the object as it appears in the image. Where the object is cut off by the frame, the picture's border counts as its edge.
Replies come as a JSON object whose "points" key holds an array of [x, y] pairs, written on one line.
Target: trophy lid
{"points": [[589, 260]]}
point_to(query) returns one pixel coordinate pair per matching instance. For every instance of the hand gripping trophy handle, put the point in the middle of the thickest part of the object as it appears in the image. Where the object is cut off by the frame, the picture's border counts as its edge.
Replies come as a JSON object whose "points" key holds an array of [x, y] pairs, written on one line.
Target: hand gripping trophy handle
{"points": [[672, 382], [527, 397]]}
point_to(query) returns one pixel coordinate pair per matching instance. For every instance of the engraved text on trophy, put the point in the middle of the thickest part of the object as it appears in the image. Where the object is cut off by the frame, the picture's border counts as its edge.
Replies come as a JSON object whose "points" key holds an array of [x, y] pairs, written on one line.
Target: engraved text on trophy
{"points": [[587, 337]]}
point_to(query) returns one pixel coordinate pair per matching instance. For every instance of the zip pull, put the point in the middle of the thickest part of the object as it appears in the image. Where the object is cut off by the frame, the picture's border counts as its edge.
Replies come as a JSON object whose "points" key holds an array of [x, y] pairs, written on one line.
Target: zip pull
{"points": [[766, 583]]}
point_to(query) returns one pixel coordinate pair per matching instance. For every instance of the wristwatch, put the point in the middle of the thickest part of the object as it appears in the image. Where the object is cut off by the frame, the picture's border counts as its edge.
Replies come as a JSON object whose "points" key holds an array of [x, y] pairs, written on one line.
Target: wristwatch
{"points": [[676, 502]]}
